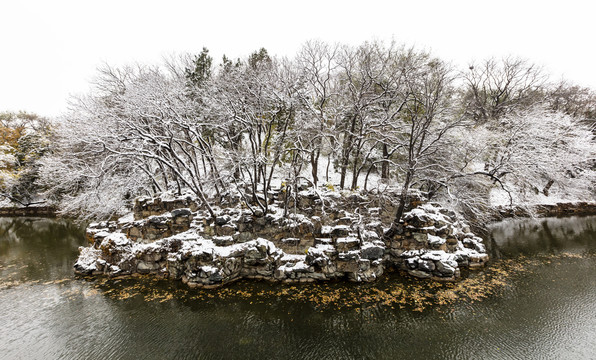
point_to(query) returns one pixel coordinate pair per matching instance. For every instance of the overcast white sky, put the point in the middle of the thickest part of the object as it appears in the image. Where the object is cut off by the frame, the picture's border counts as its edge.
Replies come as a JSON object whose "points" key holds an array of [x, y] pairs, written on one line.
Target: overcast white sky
{"points": [[50, 49]]}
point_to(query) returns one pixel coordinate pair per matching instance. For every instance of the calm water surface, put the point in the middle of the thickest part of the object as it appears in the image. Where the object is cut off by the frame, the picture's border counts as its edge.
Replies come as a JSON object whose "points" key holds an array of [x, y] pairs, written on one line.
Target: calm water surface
{"points": [[547, 311]]}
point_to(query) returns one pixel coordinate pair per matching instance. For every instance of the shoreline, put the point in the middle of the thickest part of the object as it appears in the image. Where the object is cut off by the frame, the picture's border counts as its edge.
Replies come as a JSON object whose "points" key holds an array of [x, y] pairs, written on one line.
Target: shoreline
{"points": [[334, 236], [560, 209], [358, 261], [41, 211]]}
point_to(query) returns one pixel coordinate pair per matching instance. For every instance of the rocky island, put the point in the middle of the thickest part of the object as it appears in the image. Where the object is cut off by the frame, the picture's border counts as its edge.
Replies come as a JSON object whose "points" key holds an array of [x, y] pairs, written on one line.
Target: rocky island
{"points": [[234, 167], [334, 236]]}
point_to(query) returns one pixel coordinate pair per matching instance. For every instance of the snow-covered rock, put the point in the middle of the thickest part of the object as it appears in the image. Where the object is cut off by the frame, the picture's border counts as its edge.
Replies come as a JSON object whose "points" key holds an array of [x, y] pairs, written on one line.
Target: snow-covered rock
{"points": [[189, 244]]}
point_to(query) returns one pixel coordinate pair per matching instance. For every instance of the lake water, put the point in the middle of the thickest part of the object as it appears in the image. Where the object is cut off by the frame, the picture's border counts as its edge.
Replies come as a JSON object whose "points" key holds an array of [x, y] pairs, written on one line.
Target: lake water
{"points": [[537, 300]]}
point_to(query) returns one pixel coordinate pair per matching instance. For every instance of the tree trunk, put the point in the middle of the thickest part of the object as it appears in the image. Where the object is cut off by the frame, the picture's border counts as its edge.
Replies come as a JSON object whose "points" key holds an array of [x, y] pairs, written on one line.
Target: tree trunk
{"points": [[314, 163], [370, 168], [385, 163], [546, 189], [346, 150], [355, 172], [327, 168], [403, 200]]}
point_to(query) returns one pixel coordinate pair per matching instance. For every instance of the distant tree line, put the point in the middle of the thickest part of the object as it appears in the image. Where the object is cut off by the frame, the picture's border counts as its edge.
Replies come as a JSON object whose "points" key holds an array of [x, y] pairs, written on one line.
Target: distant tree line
{"points": [[24, 139]]}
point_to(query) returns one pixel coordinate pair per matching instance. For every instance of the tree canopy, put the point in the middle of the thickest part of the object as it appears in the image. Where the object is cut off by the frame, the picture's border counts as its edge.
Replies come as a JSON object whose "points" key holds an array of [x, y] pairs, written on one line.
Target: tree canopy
{"points": [[368, 117]]}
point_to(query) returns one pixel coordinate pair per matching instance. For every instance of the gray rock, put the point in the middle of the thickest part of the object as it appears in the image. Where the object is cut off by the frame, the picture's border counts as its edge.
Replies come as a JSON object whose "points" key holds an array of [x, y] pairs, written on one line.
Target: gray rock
{"points": [[340, 231], [204, 256], [419, 274], [372, 252], [223, 240], [323, 241], [265, 270], [253, 256], [317, 276], [291, 241], [157, 219], [364, 264], [446, 267], [222, 220], [243, 237], [152, 257], [400, 229], [232, 265], [369, 235], [246, 218], [347, 243], [370, 274], [420, 237], [226, 230], [316, 256], [426, 265], [181, 212], [412, 263], [261, 221], [347, 266], [347, 256], [143, 266], [279, 274], [215, 278]]}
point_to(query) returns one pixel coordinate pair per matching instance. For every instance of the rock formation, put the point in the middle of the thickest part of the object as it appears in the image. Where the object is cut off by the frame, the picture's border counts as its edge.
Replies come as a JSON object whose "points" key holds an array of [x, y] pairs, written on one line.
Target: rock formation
{"points": [[332, 236]]}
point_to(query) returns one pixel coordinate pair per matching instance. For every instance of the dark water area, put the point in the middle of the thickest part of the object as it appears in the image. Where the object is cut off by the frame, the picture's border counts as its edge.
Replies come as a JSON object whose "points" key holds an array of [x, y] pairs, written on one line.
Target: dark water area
{"points": [[529, 237], [536, 300]]}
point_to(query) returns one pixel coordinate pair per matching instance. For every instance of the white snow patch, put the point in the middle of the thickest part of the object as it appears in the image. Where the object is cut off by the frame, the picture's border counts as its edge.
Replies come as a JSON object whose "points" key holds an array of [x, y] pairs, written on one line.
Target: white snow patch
{"points": [[119, 239], [128, 218], [292, 257], [88, 258], [433, 240]]}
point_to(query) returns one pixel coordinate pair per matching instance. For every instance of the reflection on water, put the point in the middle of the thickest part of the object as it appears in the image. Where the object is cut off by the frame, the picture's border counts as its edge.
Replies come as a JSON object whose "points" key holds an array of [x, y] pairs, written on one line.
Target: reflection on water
{"points": [[38, 248], [547, 310], [528, 237]]}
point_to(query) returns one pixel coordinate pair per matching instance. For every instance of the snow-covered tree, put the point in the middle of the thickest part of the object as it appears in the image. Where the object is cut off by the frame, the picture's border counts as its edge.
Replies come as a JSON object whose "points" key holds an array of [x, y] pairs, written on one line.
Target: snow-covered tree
{"points": [[138, 132], [519, 161], [495, 88], [317, 65], [374, 93], [429, 114], [255, 106], [574, 100], [375, 110], [24, 139]]}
